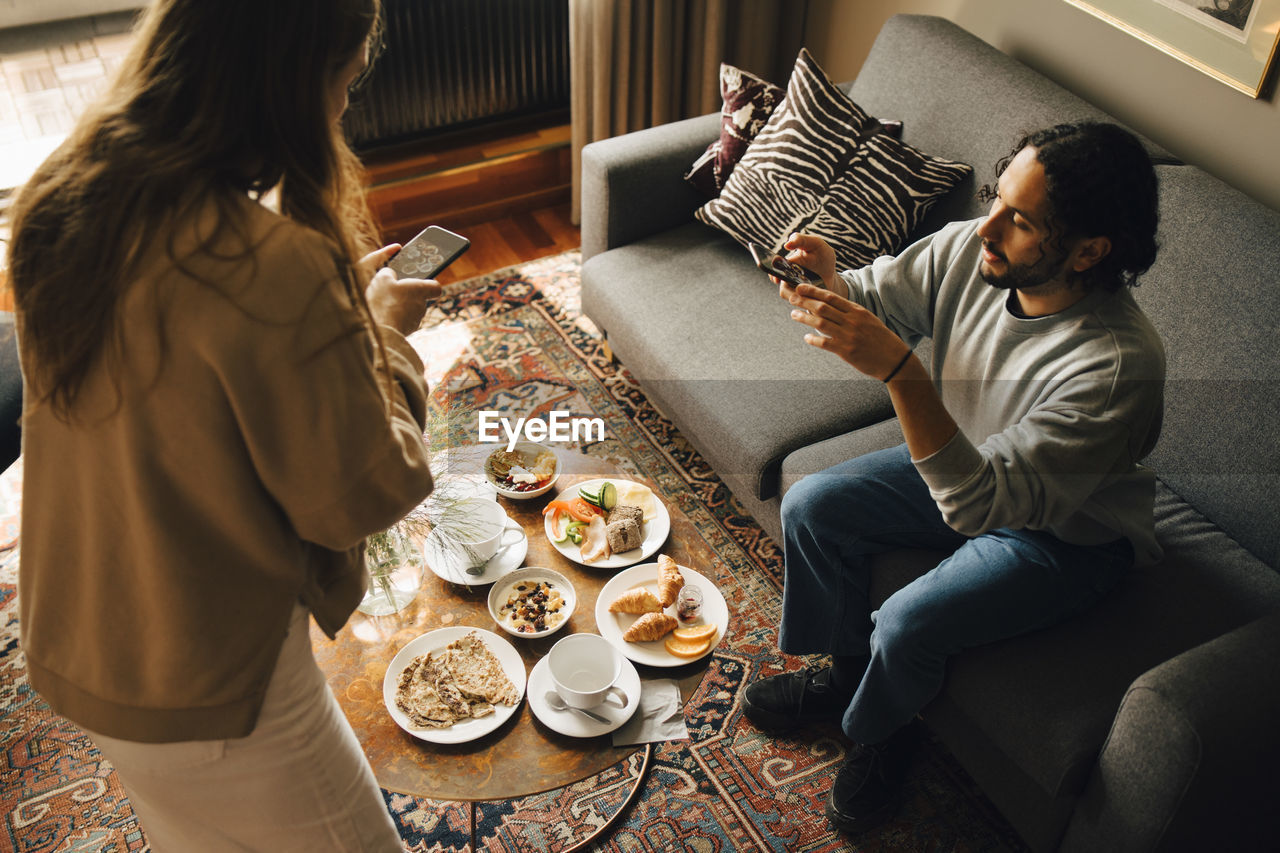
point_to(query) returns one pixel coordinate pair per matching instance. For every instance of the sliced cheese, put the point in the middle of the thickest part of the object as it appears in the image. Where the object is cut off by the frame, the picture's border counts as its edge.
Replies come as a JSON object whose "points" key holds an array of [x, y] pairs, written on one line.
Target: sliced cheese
{"points": [[638, 495]]}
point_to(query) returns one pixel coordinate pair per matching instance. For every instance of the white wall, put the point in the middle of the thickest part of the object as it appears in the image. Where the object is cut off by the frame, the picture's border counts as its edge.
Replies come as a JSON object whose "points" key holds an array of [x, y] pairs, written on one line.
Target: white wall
{"points": [[1205, 122], [16, 13]]}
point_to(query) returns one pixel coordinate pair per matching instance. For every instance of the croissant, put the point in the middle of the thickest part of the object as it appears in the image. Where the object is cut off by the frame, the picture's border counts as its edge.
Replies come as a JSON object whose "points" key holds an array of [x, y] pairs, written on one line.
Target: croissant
{"points": [[650, 626], [638, 600], [669, 580]]}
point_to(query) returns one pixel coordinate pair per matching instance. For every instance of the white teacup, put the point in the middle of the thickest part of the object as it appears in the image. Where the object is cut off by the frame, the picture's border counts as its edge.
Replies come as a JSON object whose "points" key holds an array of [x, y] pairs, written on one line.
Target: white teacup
{"points": [[472, 530], [584, 668]]}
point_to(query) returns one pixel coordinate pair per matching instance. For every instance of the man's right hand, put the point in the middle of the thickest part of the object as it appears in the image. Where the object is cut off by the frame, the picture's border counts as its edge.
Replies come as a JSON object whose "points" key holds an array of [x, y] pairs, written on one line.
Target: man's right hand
{"points": [[815, 254]]}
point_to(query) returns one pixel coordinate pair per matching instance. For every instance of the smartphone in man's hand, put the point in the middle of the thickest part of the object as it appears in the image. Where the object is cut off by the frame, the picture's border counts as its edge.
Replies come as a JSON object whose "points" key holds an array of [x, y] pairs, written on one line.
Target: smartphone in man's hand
{"points": [[778, 266], [426, 255]]}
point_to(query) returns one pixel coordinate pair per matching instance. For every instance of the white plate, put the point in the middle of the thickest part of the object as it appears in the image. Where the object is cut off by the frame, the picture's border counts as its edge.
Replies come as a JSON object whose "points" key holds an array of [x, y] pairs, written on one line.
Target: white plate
{"points": [[612, 625], [446, 565], [655, 532], [463, 730], [572, 723]]}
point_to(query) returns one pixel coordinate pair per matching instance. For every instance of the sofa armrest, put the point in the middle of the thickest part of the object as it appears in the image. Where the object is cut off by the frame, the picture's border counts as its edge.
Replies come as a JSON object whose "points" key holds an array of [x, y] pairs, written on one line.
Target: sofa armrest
{"points": [[633, 185], [1190, 763]]}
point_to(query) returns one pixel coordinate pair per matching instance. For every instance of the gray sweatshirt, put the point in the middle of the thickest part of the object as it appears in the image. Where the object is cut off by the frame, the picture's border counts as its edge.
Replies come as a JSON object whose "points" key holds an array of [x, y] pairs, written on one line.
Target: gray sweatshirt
{"points": [[1054, 412]]}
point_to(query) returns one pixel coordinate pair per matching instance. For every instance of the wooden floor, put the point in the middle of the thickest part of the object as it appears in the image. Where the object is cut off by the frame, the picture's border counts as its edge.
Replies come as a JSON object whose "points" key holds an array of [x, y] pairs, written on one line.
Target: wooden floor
{"points": [[506, 186], [514, 240]]}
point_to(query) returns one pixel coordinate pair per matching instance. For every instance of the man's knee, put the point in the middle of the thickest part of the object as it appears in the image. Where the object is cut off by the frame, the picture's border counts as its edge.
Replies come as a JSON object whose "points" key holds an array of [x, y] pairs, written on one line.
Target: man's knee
{"points": [[837, 495], [901, 628], [800, 501]]}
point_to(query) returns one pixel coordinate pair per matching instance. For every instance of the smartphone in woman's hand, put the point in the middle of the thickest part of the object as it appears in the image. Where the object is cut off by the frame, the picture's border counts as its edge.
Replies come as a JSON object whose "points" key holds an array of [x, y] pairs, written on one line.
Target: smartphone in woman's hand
{"points": [[426, 255]]}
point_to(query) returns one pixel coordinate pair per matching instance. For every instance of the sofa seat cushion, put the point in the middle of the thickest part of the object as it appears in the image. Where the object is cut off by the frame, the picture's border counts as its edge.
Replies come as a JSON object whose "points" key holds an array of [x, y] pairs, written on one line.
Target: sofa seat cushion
{"points": [[1047, 700], [706, 335]]}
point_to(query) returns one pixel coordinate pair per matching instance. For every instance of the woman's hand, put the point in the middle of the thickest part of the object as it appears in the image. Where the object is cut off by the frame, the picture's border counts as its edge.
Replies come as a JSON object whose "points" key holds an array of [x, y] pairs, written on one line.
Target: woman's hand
{"points": [[398, 303], [378, 258]]}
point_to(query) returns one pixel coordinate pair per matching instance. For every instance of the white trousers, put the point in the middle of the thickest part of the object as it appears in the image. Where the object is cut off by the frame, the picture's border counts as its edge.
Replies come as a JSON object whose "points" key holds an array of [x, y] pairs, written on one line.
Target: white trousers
{"points": [[298, 782]]}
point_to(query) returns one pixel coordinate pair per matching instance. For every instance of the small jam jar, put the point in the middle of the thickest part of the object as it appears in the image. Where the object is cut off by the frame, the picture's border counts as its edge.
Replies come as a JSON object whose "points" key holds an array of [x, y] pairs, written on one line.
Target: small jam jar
{"points": [[689, 603]]}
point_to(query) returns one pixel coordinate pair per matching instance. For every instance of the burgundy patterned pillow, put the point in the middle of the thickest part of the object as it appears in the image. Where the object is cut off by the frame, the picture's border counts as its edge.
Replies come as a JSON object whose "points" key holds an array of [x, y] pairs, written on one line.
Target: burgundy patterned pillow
{"points": [[748, 103]]}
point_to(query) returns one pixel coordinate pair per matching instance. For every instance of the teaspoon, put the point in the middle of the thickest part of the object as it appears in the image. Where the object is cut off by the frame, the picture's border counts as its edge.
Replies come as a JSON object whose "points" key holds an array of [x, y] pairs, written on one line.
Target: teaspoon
{"points": [[555, 701]]}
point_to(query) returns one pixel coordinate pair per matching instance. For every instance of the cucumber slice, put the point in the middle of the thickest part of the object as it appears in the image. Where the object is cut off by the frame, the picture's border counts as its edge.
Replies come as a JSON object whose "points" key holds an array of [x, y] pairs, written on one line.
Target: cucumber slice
{"points": [[608, 496]]}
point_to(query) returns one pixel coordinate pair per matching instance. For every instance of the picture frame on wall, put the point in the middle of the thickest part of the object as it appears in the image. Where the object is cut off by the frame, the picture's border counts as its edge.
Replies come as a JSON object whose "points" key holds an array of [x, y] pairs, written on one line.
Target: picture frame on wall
{"points": [[1233, 41]]}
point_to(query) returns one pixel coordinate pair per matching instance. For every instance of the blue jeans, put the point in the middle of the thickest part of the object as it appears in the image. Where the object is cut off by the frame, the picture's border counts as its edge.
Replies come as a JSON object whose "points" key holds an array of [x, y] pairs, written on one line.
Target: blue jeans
{"points": [[997, 585]]}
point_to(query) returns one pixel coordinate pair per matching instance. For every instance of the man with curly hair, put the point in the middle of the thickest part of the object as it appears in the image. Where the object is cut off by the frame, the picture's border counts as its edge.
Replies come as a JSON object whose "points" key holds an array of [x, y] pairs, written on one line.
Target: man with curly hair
{"points": [[1023, 442]]}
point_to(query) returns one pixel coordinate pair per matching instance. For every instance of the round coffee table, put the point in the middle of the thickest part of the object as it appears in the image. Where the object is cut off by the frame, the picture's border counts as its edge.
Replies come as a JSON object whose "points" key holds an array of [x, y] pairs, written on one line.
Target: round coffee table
{"points": [[523, 756]]}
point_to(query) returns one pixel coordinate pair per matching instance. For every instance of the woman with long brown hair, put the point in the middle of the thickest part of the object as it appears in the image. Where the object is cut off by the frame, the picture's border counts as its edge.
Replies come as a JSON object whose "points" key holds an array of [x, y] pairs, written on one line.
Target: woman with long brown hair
{"points": [[220, 404]]}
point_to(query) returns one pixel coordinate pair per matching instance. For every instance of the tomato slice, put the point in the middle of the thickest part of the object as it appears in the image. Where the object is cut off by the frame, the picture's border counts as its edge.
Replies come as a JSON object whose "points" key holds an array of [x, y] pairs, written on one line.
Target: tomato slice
{"points": [[576, 508], [589, 510]]}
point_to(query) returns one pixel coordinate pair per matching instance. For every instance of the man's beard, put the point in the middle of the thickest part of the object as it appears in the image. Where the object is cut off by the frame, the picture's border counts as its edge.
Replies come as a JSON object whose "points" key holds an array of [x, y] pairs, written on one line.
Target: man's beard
{"points": [[1023, 276]]}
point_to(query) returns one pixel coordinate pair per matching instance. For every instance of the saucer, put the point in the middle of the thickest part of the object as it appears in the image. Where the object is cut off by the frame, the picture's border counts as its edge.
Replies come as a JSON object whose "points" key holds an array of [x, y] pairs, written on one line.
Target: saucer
{"points": [[572, 723], [447, 566]]}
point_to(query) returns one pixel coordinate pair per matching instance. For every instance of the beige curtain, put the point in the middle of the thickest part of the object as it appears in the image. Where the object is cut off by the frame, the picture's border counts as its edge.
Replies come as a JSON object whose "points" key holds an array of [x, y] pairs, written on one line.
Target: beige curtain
{"points": [[639, 63]]}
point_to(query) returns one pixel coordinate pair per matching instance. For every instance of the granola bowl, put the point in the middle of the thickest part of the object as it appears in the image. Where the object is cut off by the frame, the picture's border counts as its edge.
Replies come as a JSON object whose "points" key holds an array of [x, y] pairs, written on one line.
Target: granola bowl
{"points": [[526, 471], [532, 603]]}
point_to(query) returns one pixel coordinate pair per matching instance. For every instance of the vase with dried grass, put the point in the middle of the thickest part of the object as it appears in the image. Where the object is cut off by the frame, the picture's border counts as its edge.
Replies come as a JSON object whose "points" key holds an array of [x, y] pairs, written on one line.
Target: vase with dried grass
{"points": [[394, 557]]}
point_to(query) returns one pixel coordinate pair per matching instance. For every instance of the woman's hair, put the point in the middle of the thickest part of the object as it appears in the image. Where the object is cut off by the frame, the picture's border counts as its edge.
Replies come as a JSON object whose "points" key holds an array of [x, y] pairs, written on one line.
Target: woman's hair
{"points": [[215, 101], [1100, 183]]}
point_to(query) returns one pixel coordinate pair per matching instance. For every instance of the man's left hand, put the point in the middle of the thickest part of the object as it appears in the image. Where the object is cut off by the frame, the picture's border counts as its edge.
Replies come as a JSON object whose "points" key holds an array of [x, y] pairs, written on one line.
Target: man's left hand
{"points": [[847, 329]]}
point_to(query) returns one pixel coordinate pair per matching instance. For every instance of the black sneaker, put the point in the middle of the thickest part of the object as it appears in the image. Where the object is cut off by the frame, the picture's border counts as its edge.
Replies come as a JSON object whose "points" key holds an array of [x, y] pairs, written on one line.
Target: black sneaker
{"points": [[867, 788], [782, 702]]}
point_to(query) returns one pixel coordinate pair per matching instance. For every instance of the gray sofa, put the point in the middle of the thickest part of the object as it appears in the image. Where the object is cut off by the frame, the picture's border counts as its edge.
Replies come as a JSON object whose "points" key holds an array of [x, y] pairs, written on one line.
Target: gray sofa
{"points": [[1152, 722]]}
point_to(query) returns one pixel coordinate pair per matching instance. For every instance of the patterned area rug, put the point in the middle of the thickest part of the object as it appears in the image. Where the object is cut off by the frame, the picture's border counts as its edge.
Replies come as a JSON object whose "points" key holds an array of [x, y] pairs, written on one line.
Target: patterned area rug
{"points": [[515, 342]]}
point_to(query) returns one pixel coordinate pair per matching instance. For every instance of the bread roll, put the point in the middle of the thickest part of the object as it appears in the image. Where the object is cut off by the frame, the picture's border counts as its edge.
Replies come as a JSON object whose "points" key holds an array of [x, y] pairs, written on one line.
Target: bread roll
{"points": [[650, 626], [638, 600], [669, 580]]}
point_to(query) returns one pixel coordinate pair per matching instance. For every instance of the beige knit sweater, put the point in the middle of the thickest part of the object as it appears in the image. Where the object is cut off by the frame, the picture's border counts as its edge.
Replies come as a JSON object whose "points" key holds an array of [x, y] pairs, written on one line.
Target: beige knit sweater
{"points": [[244, 450]]}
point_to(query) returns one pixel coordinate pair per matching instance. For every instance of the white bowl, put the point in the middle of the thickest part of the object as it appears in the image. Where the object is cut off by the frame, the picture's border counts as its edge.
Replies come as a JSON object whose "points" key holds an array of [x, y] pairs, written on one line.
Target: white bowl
{"points": [[505, 587], [529, 452]]}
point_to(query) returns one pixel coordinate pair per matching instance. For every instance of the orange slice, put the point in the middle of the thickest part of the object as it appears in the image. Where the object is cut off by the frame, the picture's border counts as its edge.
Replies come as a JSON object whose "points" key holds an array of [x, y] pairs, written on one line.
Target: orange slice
{"points": [[695, 633], [683, 649]]}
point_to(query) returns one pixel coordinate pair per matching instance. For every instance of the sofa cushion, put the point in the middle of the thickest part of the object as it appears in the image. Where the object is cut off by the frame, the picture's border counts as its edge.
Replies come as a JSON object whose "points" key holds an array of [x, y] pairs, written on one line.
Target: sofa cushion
{"points": [[823, 454], [822, 165], [968, 101], [1047, 700], [1213, 297], [747, 104], [1016, 691], [706, 335]]}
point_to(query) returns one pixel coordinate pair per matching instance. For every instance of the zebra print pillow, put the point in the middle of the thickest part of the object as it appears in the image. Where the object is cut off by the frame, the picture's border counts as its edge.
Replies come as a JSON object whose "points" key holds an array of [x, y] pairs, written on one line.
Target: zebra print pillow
{"points": [[821, 165]]}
